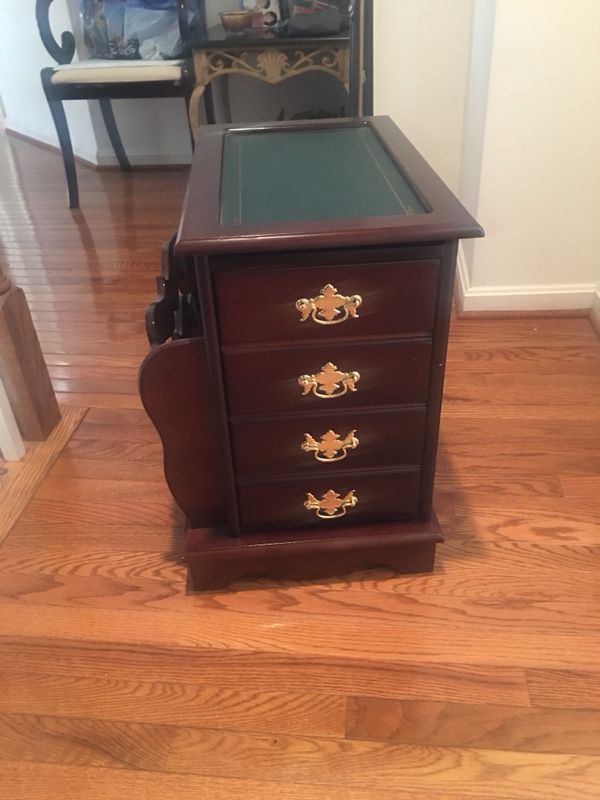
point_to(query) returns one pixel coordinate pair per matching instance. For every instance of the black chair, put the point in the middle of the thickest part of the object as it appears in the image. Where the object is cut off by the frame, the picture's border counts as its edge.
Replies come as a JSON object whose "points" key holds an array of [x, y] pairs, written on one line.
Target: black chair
{"points": [[105, 80]]}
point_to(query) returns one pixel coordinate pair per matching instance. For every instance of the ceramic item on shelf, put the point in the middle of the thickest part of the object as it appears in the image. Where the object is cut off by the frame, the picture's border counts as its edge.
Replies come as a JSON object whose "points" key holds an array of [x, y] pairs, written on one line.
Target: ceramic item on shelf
{"points": [[236, 21]]}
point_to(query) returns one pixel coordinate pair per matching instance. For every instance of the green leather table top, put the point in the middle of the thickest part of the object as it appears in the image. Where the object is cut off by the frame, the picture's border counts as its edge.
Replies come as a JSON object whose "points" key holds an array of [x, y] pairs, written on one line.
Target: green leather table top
{"points": [[302, 175]]}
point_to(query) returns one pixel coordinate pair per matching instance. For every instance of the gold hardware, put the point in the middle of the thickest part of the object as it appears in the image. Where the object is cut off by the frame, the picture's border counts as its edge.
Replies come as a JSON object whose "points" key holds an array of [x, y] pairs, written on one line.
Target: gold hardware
{"points": [[331, 505], [330, 382], [333, 447], [325, 308]]}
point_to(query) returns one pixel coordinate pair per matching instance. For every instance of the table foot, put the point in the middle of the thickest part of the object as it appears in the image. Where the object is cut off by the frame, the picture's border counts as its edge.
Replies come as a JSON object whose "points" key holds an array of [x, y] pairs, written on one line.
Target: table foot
{"points": [[215, 559]]}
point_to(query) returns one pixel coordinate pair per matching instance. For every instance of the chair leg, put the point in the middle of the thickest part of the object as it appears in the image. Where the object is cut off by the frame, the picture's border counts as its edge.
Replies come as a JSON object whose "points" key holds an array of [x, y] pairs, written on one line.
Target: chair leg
{"points": [[64, 139], [113, 133]]}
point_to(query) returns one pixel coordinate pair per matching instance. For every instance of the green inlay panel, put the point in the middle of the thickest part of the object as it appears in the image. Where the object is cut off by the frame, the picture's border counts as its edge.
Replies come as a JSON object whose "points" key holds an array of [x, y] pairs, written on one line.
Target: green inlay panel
{"points": [[293, 176]]}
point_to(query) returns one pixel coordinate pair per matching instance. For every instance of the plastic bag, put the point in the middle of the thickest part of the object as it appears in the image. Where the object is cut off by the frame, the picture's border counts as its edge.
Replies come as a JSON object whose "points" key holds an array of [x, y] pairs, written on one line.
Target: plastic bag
{"points": [[131, 29]]}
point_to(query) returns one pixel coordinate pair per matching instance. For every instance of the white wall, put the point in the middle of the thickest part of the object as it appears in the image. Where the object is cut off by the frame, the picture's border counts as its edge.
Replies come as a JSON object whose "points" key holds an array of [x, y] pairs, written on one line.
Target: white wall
{"points": [[22, 56], [539, 193], [421, 59]]}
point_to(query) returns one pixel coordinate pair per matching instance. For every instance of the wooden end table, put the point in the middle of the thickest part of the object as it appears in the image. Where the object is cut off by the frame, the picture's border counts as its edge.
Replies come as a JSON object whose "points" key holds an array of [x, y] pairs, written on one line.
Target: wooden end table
{"points": [[310, 287]]}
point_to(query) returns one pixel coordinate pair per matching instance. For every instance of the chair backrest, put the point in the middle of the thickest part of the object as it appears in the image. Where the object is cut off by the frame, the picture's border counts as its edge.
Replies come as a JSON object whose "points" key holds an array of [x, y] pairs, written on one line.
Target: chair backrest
{"points": [[62, 53]]}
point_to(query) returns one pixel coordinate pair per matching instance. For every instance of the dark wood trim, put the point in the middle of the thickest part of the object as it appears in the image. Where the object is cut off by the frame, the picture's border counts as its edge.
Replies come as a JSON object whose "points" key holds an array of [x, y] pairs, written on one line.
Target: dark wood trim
{"points": [[180, 400], [215, 367], [119, 91], [367, 92], [215, 559], [436, 377], [201, 232]]}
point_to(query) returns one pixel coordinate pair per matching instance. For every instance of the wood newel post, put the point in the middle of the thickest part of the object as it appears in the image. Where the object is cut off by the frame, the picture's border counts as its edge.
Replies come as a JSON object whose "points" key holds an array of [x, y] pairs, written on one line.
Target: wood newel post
{"points": [[5, 283], [22, 367]]}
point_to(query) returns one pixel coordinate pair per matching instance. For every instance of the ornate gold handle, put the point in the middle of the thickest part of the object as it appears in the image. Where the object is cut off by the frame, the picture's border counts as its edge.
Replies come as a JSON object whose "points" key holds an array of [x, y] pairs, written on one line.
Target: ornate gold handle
{"points": [[331, 505], [331, 447], [329, 383], [329, 308]]}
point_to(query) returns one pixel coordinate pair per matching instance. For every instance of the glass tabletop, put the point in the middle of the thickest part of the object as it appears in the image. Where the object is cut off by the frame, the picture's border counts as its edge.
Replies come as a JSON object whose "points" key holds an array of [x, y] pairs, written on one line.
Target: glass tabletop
{"points": [[278, 176]]}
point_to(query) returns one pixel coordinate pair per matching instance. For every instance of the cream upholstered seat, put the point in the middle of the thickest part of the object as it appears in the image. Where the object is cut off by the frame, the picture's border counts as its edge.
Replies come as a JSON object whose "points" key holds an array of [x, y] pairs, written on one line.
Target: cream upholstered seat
{"points": [[98, 70]]}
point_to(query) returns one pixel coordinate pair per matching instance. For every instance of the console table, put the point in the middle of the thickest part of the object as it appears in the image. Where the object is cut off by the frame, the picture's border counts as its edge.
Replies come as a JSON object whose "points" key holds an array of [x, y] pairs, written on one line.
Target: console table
{"points": [[307, 298], [261, 54]]}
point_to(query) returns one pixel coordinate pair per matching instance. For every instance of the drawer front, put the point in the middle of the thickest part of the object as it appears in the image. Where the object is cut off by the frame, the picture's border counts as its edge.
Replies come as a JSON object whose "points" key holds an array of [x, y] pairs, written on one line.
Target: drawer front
{"points": [[329, 441], [261, 305], [269, 380], [357, 499]]}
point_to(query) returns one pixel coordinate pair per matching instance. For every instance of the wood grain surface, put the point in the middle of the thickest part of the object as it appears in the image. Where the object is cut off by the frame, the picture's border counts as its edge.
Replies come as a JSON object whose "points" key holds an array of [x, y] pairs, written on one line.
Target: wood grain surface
{"points": [[22, 481], [480, 680]]}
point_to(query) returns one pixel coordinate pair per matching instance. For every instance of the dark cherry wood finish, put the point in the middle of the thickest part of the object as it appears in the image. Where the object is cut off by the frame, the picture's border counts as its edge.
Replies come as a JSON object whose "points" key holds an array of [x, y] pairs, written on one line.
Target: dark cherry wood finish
{"points": [[267, 380], [215, 559], [398, 298], [200, 230], [176, 392], [383, 497], [387, 438], [248, 281]]}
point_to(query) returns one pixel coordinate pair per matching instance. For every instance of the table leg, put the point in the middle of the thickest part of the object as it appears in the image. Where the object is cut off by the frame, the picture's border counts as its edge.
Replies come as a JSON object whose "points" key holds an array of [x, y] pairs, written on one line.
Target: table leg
{"points": [[225, 99], [194, 108]]}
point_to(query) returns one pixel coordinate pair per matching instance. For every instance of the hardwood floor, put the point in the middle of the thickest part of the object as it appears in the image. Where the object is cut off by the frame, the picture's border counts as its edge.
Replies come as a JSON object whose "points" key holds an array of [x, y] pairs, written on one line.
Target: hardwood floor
{"points": [[481, 680]]}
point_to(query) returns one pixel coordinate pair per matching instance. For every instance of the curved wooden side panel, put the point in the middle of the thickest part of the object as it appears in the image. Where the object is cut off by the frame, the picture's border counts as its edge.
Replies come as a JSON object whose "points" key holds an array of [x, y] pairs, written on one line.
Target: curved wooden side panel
{"points": [[177, 394]]}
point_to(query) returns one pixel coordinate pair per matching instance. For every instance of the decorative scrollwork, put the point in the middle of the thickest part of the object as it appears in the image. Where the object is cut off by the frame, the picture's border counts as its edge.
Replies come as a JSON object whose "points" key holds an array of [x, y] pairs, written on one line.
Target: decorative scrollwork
{"points": [[331, 447], [329, 382], [271, 65], [331, 505], [327, 307]]}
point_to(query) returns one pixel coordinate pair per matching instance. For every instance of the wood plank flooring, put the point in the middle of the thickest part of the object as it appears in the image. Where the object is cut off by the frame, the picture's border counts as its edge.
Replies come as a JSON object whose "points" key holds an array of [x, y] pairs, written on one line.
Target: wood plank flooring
{"points": [[480, 680]]}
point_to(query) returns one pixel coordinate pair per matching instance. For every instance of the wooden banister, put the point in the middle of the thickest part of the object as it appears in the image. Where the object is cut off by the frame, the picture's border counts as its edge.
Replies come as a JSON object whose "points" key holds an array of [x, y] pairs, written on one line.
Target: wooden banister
{"points": [[22, 368]]}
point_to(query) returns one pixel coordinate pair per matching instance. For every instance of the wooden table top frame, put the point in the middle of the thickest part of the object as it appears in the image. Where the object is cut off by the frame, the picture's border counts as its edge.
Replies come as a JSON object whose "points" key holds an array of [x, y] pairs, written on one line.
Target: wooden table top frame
{"points": [[221, 545]]}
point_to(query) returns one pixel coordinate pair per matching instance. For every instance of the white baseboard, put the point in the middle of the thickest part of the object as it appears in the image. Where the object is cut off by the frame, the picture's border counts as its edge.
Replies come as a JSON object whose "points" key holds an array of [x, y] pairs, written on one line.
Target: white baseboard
{"points": [[526, 297], [43, 138], [141, 159], [106, 158]]}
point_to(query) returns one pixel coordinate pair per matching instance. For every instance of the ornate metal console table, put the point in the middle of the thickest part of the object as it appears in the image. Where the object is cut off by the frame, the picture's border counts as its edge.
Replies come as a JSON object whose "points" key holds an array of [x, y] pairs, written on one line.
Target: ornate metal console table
{"points": [[267, 57]]}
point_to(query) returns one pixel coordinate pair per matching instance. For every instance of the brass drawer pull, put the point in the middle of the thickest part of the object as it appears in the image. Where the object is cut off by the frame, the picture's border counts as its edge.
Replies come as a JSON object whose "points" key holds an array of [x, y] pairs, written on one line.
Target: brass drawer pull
{"points": [[331, 447], [330, 382], [328, 306], [331, 505]]}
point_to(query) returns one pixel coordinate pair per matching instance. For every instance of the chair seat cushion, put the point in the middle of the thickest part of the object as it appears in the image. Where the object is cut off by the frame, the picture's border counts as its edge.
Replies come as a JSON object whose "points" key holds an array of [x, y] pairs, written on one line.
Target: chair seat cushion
{"points": [[98, 70]]}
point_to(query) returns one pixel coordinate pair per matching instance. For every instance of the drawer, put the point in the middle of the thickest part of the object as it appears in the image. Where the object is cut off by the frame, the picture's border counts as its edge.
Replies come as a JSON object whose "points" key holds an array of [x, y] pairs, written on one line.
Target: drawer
{"points": [[281, 504], [268, 380], [275, 447], [260, 305]]}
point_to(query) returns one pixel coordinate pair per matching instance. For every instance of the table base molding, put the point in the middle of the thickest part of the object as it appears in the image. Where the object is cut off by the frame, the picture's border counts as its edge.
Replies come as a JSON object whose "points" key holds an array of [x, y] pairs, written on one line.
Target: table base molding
{"points": [[215, 559]]}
